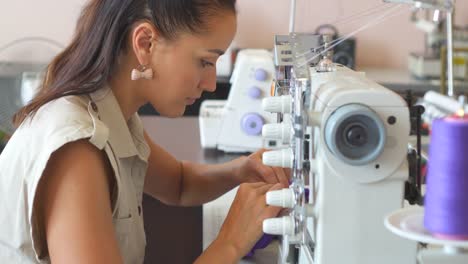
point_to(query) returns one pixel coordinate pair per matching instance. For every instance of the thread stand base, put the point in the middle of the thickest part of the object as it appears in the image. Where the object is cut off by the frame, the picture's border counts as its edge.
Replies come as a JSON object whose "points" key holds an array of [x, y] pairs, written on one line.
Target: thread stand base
{"points": [[408, 223]]}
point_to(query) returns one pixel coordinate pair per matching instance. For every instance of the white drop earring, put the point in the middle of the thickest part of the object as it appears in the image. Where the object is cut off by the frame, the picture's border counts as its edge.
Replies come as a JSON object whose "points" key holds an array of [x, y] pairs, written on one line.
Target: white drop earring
{"points": [[141, 72]]}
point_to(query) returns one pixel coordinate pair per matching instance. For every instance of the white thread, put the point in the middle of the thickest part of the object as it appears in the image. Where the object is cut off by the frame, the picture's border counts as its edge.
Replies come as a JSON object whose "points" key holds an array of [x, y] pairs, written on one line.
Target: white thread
{"points": [[361, 14], [341, 39], [380, 19]]}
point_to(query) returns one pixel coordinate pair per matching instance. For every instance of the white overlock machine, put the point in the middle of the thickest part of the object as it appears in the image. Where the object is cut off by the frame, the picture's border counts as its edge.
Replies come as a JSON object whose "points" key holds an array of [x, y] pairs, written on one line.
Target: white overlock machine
{"points": [[348, 149], [235, 124]]}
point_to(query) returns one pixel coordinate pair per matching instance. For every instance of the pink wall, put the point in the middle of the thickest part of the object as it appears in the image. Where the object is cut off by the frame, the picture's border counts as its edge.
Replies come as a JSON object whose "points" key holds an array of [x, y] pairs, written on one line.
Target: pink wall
{"points": [[385, 45]]}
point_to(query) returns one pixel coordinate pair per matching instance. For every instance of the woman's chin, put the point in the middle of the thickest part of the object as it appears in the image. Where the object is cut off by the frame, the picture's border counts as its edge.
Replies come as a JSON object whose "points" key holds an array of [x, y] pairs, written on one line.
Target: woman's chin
{"points": [[172, 113]]}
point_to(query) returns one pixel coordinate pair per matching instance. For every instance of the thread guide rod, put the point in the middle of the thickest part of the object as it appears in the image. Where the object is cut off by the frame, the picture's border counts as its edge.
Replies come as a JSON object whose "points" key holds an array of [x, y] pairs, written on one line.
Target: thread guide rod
{"points": [[292, 17]]}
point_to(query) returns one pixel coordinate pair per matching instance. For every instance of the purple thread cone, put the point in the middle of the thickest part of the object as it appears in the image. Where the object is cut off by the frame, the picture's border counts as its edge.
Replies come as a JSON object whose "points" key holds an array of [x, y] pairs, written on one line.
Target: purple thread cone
{"points": [[262, 243], [266, 239], [446, 201]]}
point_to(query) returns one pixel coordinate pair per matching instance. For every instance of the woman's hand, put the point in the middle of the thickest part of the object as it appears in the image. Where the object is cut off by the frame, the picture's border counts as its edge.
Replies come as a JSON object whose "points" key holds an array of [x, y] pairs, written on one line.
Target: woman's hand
{"points": [[242, 227], [252, 169]]}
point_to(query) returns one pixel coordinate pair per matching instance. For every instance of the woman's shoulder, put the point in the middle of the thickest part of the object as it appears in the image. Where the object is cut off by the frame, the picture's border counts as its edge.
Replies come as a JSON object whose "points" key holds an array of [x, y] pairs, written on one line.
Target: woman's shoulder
{"points": [[65, 117], [68, 106], [60, 112]]}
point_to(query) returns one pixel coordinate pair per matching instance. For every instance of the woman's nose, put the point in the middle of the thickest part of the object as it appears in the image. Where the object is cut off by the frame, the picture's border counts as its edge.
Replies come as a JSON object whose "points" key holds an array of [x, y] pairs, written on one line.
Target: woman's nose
{"points": [[209, 83]]}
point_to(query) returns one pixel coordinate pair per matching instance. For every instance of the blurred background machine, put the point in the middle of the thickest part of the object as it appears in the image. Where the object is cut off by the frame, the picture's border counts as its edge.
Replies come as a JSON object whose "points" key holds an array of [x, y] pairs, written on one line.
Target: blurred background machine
{"points": [[428, 63], [235, 124]]}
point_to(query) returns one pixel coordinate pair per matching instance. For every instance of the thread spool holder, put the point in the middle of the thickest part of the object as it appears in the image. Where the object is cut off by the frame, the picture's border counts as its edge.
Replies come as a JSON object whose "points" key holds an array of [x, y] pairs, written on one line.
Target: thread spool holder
{"points": [[408, 223]]}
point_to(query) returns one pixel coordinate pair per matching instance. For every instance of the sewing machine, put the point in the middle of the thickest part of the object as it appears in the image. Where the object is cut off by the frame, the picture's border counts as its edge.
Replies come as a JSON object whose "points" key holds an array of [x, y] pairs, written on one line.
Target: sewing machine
{"points": [[235, 124], [348, 158], [348, 154], [436, 26], [427, 64]]}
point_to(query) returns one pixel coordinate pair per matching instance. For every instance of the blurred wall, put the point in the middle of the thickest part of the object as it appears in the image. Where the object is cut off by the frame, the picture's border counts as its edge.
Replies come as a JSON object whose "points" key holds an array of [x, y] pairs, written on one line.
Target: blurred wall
{"points": [[54, 19], [384, 45]]}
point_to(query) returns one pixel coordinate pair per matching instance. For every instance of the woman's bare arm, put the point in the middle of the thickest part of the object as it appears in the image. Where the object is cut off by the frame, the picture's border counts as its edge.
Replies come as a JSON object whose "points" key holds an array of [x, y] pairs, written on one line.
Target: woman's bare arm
{"points": [[73, 204]]}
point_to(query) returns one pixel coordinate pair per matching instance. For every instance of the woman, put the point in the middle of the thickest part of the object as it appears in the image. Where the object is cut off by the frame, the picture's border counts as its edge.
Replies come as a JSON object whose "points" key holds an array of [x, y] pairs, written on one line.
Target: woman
{"points": [[73, 174]]}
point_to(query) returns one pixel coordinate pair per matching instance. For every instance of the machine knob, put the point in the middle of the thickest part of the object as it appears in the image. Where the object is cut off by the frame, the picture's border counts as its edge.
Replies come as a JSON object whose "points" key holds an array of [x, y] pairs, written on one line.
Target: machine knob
{"points": [[356, 135], [281, 198], [261, 75], [252, 124], [254, 92], [277, 131], [279, 226], [279, 158], [277, 104]]}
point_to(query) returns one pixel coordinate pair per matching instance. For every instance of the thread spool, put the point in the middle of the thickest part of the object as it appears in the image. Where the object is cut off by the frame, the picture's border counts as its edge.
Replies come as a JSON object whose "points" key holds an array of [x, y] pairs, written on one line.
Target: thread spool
{"points": [[446, 201], [262, 243]]}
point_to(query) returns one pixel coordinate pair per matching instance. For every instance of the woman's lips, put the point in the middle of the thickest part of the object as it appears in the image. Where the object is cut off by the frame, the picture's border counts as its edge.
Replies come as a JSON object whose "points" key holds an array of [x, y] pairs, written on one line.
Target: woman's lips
{"points": [[191, 100]]}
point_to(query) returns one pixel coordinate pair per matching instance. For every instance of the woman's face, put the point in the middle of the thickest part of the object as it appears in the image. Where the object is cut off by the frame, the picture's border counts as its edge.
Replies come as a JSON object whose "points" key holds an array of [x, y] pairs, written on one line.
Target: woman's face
{"points": [[186, 67]]}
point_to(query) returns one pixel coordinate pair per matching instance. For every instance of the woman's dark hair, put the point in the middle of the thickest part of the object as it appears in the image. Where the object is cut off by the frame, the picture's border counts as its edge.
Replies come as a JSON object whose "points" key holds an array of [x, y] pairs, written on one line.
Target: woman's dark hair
{"points": [[101, 34]]}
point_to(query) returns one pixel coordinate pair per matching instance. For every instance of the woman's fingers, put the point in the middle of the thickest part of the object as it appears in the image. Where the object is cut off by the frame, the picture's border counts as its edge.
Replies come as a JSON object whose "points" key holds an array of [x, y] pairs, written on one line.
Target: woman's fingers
{"points": [[268, 174], [270, 212], [267, 187], [281, 176], [255, 185]]}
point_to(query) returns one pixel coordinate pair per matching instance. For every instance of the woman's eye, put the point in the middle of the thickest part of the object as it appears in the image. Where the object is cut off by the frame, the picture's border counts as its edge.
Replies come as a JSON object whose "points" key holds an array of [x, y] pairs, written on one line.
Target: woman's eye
{"points": [[205, 63]]}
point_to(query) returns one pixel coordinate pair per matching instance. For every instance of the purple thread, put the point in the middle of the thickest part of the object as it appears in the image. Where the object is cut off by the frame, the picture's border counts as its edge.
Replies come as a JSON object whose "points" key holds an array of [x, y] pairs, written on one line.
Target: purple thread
{"points": [[446, 201], [266, 239], [262, 243]]}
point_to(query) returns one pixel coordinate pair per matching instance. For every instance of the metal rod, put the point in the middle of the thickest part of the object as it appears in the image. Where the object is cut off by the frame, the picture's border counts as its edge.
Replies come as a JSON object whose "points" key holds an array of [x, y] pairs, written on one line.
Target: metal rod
{"points": [[292, 17], [450, 91]]}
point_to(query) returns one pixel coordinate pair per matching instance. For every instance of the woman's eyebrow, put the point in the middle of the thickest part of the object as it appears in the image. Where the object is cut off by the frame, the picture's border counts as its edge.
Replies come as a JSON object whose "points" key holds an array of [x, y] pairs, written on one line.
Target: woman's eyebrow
{"points": [[216, 51]]}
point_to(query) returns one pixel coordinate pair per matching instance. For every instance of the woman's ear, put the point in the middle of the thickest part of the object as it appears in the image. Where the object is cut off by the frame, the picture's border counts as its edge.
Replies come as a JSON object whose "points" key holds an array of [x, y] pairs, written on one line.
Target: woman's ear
{"points": [[143, 38]]}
